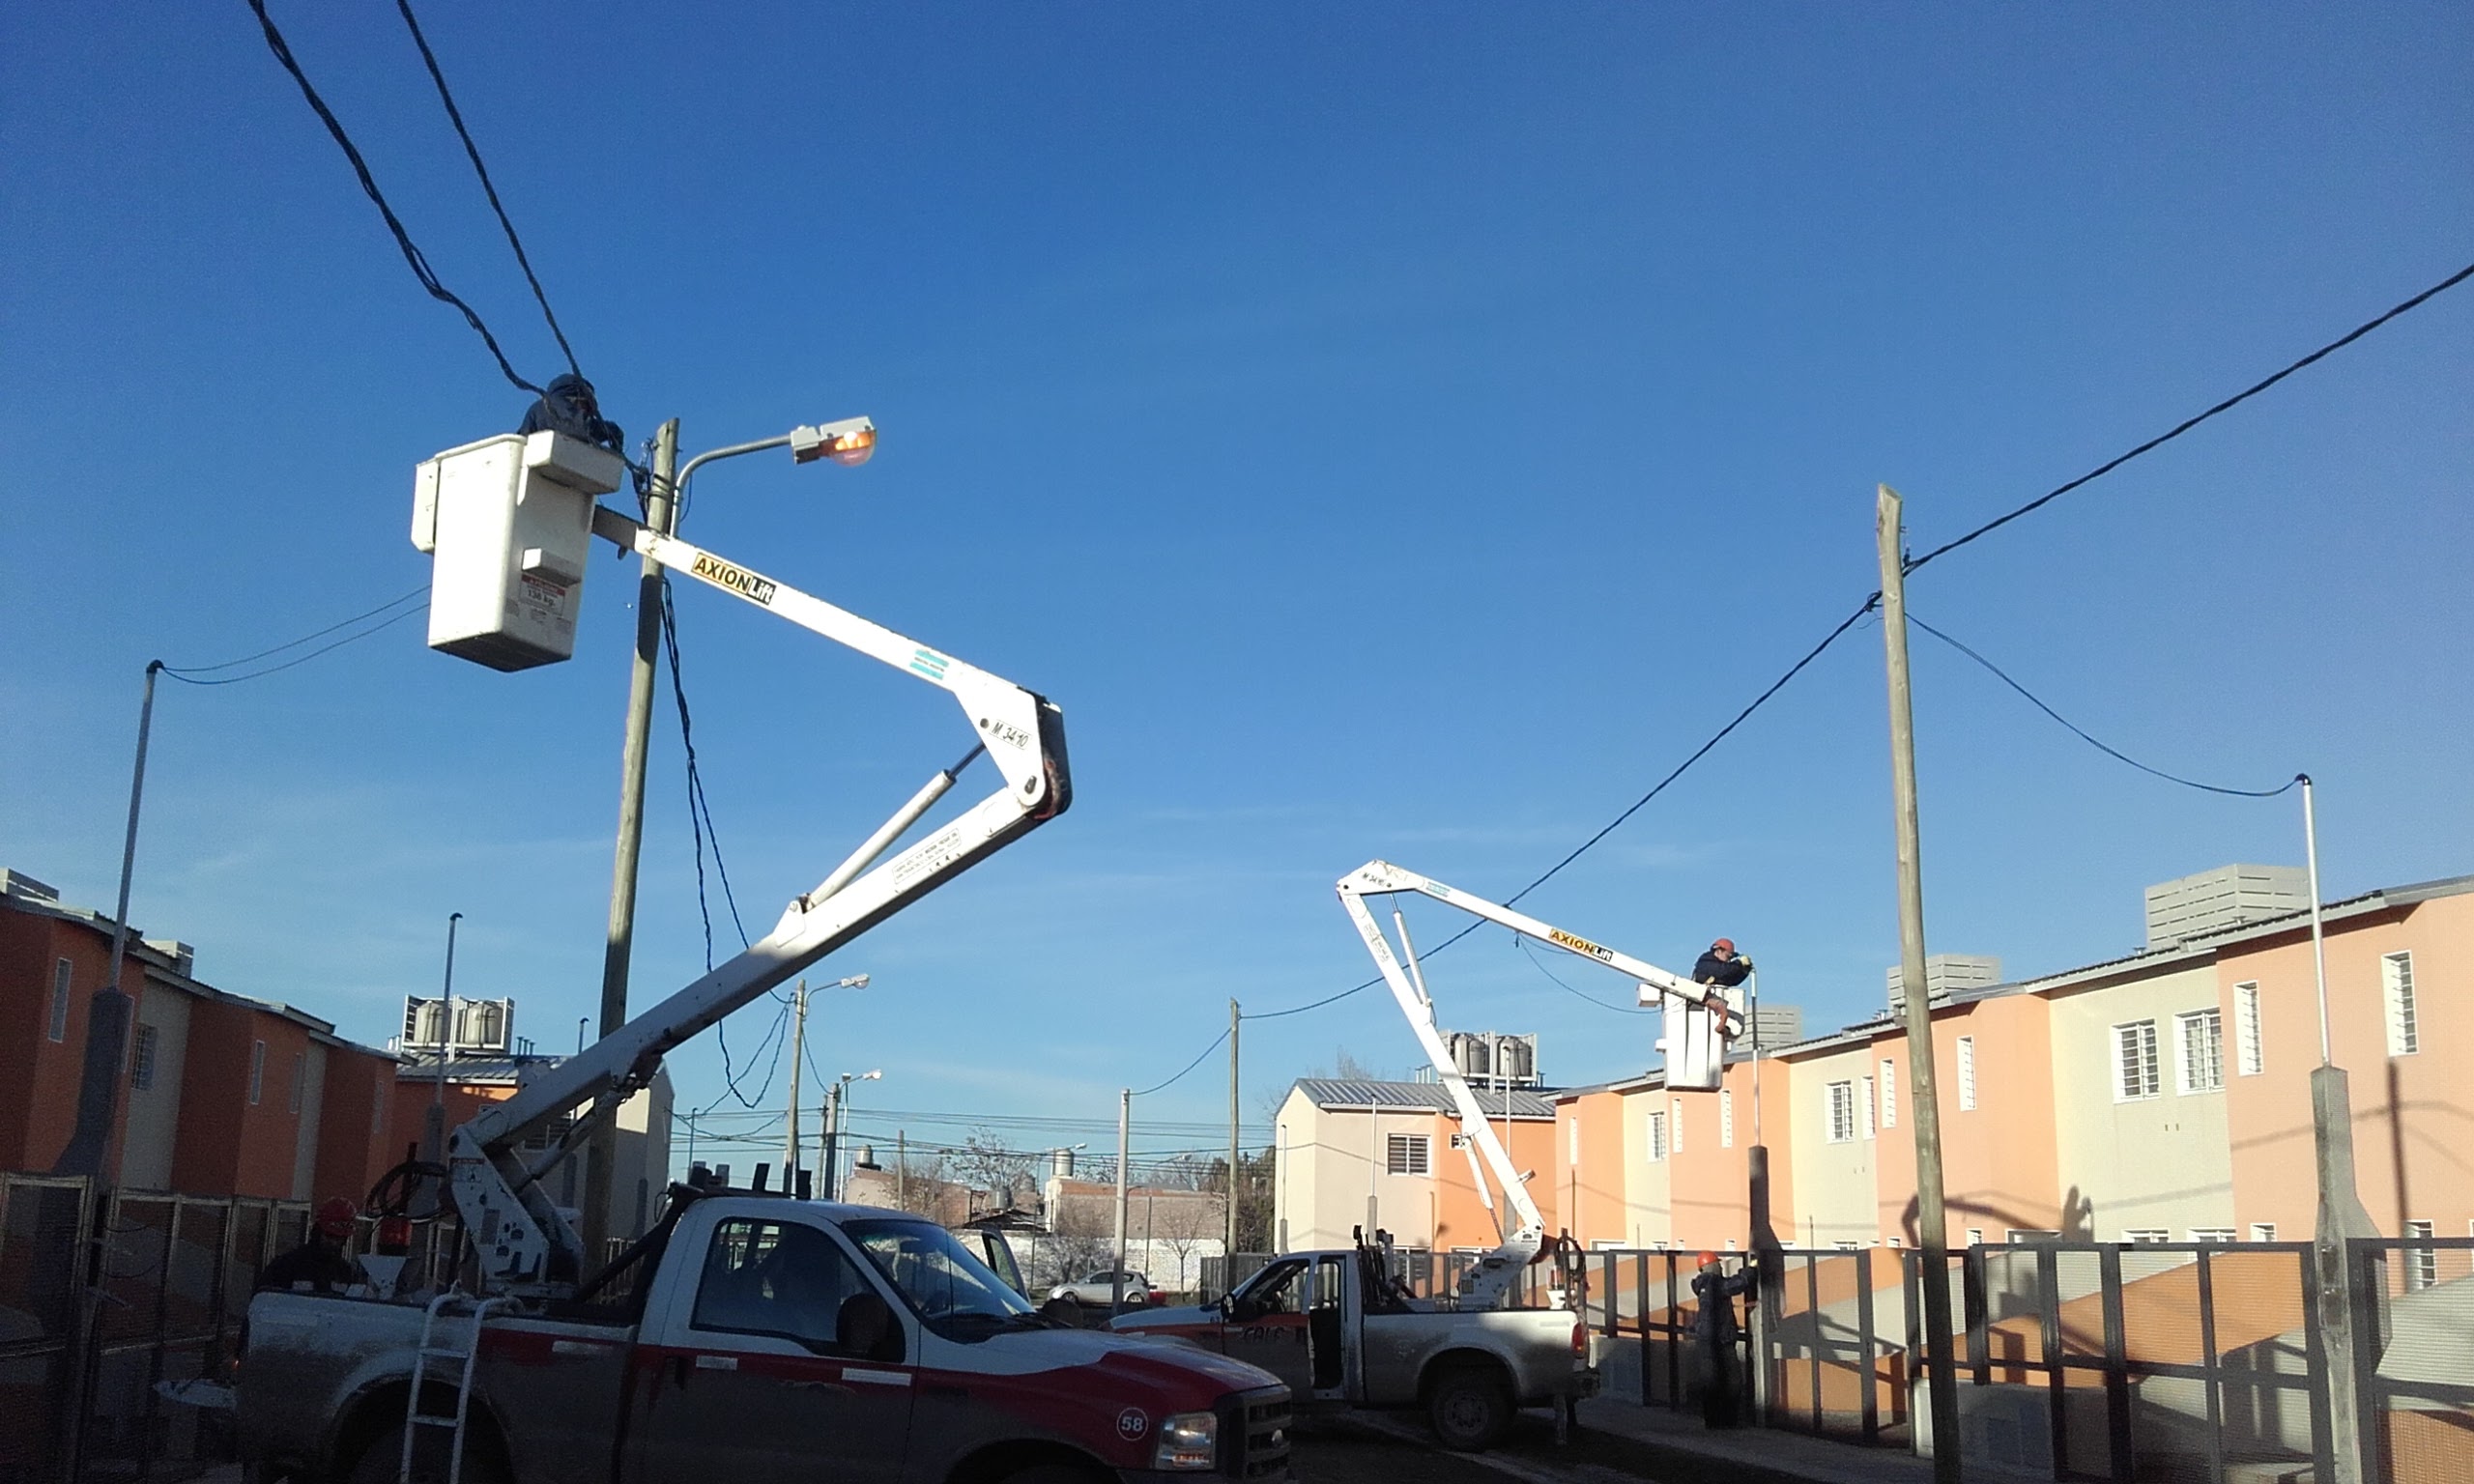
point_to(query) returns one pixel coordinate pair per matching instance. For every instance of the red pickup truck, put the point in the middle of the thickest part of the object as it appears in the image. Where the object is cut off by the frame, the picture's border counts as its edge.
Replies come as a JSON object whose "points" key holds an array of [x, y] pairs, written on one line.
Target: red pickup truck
{"points": [[759, 1339]]}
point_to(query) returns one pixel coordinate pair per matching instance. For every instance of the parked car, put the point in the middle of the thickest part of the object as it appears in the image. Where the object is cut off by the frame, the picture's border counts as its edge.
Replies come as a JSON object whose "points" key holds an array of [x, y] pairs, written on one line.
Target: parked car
{"points": [[1098, 1291]]}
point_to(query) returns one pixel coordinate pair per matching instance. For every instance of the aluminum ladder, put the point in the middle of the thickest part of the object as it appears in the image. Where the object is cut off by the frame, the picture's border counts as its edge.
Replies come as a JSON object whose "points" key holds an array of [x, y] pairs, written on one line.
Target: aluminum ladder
{"points": [[429, 1352]]}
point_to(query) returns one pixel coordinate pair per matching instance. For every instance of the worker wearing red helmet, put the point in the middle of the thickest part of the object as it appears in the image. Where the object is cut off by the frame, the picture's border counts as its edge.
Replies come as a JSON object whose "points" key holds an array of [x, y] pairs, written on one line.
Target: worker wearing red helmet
{"points": [[1722, 968], [320, 1262]]}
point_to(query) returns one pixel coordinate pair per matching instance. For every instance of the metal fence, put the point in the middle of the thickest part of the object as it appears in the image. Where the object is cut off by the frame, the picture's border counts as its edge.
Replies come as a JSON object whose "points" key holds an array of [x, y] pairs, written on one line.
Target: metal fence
{"points": [[2175, 1363], [95, 1318]]}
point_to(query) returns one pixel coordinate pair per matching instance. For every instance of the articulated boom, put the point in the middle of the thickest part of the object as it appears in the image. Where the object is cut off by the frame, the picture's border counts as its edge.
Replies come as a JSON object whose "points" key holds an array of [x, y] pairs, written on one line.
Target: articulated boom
{"points": [[524, 1245], [1492, 1280]]}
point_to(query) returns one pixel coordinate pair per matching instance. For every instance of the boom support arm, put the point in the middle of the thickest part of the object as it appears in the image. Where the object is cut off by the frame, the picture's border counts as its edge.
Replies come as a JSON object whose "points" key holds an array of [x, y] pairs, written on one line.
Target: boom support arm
{"points": [[524, 1242]]}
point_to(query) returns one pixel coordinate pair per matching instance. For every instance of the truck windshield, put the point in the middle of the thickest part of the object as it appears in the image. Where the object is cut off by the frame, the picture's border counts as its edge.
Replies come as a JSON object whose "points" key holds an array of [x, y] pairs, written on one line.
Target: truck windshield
{"points": [[944, 1283]]}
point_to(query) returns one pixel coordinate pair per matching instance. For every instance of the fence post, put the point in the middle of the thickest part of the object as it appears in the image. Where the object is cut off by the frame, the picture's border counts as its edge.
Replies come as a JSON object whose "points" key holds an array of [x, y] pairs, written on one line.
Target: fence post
{"points": [[2109, 1282], [2215, 1379], [2049, 1344], [1865, 1350]]}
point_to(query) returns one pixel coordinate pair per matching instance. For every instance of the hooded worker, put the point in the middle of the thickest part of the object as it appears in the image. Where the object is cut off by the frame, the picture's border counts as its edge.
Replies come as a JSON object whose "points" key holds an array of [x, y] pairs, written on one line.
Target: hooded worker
{"points": [[1722, 966], [569, 404], [1715, 1332]]}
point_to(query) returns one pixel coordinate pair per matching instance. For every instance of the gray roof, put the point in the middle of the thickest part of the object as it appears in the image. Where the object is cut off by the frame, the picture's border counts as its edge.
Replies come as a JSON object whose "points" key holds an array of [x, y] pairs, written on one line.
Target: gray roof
{"points": [[1350, 1093]]}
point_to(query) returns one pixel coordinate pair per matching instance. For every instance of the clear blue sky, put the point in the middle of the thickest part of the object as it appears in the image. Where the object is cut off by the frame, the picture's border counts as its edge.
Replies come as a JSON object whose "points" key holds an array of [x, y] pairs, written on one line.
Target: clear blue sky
{"points": [[1398, 431]]}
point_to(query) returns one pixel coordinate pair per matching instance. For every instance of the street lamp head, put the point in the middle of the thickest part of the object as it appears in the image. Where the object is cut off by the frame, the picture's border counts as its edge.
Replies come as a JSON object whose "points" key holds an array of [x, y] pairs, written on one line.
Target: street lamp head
{"points": [[875, 1075], [850, 442], [854, 982]]}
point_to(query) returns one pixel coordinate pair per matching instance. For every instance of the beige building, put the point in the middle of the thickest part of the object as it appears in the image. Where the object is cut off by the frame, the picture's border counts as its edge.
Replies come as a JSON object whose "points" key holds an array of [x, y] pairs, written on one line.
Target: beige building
{"points": [[1357, 1154]]}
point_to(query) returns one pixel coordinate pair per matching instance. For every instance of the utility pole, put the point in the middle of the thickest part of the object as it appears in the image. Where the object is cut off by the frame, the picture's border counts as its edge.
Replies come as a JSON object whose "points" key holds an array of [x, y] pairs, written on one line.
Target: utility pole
{"points": [[902, 1169], [1924, 1105], [798, 1046], [1117, 1279], [661, 515], [2341, 1218], [1228, 1245], [107, 1012], [832, 1137]]}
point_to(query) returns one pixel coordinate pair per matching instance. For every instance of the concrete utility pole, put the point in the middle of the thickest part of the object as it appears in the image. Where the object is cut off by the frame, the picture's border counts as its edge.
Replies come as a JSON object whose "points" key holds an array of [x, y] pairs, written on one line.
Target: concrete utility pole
{"points": [[1228, 1244], [2340, 1217], [798, 1046], [1924, 1106], [661, 514], [831, 1139], [1117, 1279], [107, 1014]]}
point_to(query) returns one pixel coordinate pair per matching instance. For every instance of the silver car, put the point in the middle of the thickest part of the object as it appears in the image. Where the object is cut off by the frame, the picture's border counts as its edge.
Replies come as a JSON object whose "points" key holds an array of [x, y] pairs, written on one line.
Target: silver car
{"points": [[1098, 1291]]}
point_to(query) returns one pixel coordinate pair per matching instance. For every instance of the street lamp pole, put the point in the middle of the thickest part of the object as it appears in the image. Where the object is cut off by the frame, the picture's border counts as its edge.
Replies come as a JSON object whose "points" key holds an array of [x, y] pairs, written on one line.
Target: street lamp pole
{"points": [[849, 442]]}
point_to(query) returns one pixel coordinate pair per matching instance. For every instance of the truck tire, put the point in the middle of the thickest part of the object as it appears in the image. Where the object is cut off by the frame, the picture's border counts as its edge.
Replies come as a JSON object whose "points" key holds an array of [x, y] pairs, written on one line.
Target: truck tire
{"points": [[1468, 1407], [379, 1462], [1054, 1474]]}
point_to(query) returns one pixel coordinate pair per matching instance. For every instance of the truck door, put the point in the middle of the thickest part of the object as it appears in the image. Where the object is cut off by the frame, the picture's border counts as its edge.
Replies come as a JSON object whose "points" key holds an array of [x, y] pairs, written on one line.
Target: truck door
{"points": [[785, 1363], [1267, 1322], [1327, 1313]]}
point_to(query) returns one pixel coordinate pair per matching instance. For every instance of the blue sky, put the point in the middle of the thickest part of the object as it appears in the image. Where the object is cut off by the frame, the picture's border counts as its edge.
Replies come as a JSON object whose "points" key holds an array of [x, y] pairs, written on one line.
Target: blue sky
{"points": [[1399, 431]]}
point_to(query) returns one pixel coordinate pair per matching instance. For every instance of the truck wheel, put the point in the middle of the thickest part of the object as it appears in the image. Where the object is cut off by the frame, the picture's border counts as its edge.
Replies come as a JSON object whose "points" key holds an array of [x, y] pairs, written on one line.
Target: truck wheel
{"points": [[379, 1462], [1054, 1474], [1468, 1409]]}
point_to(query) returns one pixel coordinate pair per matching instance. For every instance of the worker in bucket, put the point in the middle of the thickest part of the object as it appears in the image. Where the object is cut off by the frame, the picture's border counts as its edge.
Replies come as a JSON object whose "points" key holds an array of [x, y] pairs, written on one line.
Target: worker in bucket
{"points": [[1720, 968], [569, 404], [1714, 1334], [320, 1262]]}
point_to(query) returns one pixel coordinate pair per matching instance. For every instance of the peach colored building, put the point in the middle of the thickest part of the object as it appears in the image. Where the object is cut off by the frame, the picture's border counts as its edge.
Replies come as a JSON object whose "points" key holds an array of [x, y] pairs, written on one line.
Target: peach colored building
{"points": [[1352, 1153], [2159, 1096]]}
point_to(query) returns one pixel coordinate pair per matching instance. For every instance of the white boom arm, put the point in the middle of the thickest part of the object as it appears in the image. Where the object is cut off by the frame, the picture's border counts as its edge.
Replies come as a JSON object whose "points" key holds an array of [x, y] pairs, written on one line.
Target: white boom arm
{"points": [[524, 1242], [1493, 1278]]}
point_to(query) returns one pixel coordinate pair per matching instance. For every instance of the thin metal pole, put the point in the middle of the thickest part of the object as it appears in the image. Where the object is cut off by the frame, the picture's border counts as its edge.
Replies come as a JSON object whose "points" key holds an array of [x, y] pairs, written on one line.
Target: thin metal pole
{"points": [[832, 1137], [1924, 1105], [2318, 944], [1117, 1279], [107, 1012], [1228, 1244], [798, 1046], [661, 515]]}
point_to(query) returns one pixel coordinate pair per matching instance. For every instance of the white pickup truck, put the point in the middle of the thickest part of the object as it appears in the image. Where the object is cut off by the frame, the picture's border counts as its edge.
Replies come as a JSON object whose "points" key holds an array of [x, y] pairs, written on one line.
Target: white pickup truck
{"points": [[1340, 1333], [752, 1339]]}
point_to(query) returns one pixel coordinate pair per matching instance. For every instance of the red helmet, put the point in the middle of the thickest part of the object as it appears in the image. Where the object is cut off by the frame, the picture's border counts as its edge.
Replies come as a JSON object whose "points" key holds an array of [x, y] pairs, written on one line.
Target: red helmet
{"points": [[1706, 1260], [336, 1216], [1723, 945]]}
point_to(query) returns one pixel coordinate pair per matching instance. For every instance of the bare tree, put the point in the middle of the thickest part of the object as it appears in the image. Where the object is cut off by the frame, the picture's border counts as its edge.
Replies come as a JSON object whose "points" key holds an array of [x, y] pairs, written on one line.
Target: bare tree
{"points": [[985, 1162]]}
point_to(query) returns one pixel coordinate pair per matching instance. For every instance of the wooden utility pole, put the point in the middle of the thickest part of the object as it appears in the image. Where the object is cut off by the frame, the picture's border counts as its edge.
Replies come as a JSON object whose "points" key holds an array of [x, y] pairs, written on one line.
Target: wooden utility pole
{"points": [[1228, 1244], [1117, 1279], [1924, 1107]]}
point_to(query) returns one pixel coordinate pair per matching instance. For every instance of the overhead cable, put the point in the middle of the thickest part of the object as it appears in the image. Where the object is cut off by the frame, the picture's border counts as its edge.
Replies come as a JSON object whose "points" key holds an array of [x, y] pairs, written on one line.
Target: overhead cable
{"points": [[2113, 752], [192, 675], [700, 814], [413, 257], [1189, 1067], [472, 152], [2188, 423]]}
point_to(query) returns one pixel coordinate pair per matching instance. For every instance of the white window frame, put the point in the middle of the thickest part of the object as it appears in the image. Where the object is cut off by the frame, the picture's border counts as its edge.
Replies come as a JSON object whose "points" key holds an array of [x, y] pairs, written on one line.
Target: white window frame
{"points": [[1966, 1073], [1657, 1137], [1975, 1236], [300, 1080], [1865, 1098], [1726, 1118], [1573, 1142], [1889, 1093], [2397, 994], [2263, 1231], [2220, 1234], [2250, 1052], [141, 1059], [2422, 1264], [2135, 1075], [2145, 1235], [64, 975], [1408, 1154], [2199, 1051], [1839, 1116], [257, 1070]]}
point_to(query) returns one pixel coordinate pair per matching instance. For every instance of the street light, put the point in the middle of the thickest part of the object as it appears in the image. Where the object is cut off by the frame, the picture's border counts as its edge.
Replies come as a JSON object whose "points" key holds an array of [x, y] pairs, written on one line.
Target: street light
{"points": [[849, 442], [838, 1100]]}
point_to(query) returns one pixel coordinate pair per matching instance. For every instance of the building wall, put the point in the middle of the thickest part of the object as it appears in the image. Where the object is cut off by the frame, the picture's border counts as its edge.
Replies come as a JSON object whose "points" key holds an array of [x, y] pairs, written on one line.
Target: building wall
{"points": [[1998, 1158], [1332, 1162], [228, 1145], [1591, 1167], [152, 1128], [1710, 1176], [2163, 1163], [354, 1133], [38, 1076], [2413, 1115], [1834, 1184], [1460, 1218], [1649, 1204]]}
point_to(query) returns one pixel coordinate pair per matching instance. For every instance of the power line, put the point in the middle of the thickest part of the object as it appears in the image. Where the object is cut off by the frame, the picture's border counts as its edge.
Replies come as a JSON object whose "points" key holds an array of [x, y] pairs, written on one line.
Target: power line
{"points": [[1189, 1067], [1569, 989], [189, 674], [413, 257], [472, 152], [700, 814], [2075, 729], [2188, 423]]}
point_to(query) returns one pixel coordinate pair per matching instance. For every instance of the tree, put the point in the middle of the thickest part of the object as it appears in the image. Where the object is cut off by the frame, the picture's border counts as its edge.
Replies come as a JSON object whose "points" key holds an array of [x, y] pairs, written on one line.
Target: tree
{"points": [[985, 1163]]}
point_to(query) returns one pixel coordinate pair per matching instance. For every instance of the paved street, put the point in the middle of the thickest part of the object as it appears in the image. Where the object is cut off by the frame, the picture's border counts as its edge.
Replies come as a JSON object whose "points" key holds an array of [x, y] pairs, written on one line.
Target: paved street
{"points": [[1397, 1450]]}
